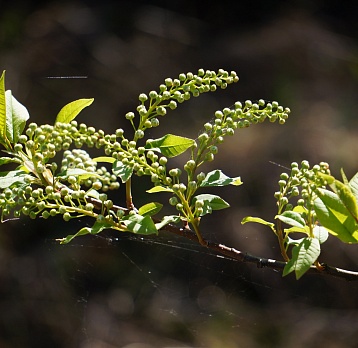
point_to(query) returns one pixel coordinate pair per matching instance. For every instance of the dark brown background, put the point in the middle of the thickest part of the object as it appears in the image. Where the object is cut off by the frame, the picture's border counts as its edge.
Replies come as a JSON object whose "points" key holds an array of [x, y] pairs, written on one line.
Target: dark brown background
{"points": [[107, 292]]}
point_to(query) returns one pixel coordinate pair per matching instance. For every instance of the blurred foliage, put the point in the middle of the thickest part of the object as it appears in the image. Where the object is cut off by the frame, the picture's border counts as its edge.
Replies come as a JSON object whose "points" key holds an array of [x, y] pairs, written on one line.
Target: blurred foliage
{"points": [[101, 294]]}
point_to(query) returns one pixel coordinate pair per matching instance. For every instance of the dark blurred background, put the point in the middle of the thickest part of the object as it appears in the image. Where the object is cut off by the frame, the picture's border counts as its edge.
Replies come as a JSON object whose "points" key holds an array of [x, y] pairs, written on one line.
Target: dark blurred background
{"points": [[121, 291]]}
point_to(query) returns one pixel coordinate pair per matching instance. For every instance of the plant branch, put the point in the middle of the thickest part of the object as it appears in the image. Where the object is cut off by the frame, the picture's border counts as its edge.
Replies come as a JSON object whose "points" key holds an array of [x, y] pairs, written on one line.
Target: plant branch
{"points": [[242, 256]]}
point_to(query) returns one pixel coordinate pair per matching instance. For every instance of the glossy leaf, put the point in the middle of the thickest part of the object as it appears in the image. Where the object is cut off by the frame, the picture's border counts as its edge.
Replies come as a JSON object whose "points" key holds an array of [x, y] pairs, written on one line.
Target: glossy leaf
{"points": [[320, 233], [71, 110], [303, 256], [150, 209], [259, 221], [96, 228], [167, 220], [140, 224], [334, 216], [346, 196], [159, 188], [218, 178], [291, 218], [9, 178], [81, 173], [123, 171], [16, 117], [104, 159], [353, 184], [6, 160], [170, 145], [3, 139], [211, 202]]}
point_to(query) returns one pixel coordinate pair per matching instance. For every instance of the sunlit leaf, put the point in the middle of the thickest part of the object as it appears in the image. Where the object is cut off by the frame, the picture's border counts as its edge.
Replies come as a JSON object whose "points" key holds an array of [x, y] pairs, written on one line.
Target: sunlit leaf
{"points": [[334, 216], [123, 171], [6, 160], [167, 220], [218, 178], [3, 139], [9, 178], [291, 218], [81, 173], [140, 224], [104, 159], [159, 188], [346, 196], [211, 202], [259, 221], [170, 145], [320, 233], [303, 256], [71, 110], [353, 184], [96, 228], [16, 117], [150, 209]]}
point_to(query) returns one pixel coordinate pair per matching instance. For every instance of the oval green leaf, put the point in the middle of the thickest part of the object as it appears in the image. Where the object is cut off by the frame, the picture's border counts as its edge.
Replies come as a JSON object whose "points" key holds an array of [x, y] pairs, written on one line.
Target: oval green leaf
{"points": [[71, 110], [291, 218], [303, 256], [150, 209], [170, 145], [16, 117], [334, 216], [218, 178]]}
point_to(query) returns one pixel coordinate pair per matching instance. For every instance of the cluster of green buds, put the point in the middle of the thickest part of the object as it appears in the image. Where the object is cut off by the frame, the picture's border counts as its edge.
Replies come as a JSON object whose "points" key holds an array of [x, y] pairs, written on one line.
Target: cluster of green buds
{"points": [[228, 120], [302, 183], [78, 159], [173, 91]]}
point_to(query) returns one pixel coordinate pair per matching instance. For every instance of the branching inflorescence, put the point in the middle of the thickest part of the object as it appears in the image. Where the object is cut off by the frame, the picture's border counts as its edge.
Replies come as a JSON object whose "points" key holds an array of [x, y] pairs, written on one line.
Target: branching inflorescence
{"points": [[76, 186]]}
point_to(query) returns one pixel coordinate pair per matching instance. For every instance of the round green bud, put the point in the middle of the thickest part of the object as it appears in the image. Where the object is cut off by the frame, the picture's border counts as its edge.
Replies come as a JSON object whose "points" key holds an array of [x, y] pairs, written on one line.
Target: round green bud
{"points": [[161, 110], [130, 115], [72, 179], [200, 177], [45, 214], [154, 122], [173, 201], [67, 216], [168, 82], [153, 94], [143, 97], [179, 207], [209, 157], [89, 207]]}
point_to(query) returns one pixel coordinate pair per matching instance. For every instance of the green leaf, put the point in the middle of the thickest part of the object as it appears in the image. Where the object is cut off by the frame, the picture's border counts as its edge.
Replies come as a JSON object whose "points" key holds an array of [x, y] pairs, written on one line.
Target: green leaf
{"points": [[167, 220], [96, 228], [140, 224], [218, 178], [159, 188], [211, 202], [334, 216], [346, 196], [16, 117], [6, 160], [259, 221], [353, 184], [104, 159], [3, 138], [71, 110], [150, 209], [123, 171], [303, 256], [11, 177], [291, 218], [81, 173], [320, 233], [170, 145]]}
